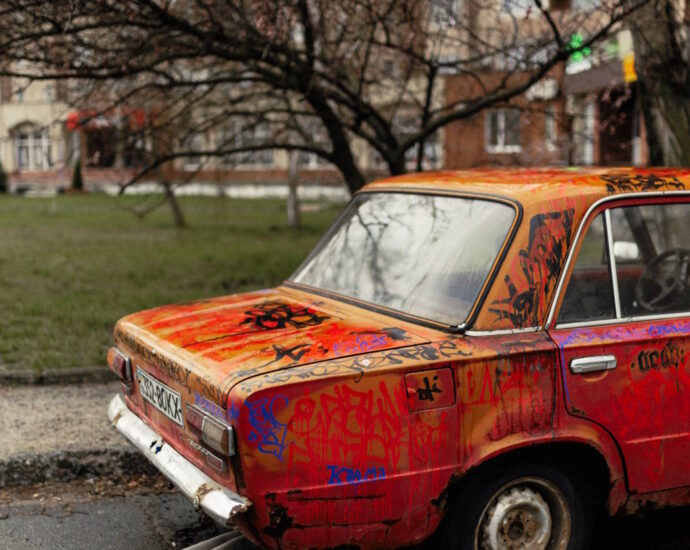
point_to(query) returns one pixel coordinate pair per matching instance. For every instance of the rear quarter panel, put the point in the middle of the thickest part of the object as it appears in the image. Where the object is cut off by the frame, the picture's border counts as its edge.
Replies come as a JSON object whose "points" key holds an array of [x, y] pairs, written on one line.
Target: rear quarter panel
{"points": [[343, 452]]}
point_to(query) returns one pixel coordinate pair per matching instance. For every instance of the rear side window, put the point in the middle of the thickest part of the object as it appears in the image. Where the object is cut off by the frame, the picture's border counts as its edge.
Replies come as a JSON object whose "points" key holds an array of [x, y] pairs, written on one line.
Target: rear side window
{"points": [[634, 262]]}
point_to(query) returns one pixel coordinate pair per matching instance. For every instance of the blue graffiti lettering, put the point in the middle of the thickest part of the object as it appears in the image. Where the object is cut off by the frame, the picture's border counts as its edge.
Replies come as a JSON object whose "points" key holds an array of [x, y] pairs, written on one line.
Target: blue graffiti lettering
{"points": [[209, 406], [343, 475], [267, 431], [233, 412], [361, 344]]}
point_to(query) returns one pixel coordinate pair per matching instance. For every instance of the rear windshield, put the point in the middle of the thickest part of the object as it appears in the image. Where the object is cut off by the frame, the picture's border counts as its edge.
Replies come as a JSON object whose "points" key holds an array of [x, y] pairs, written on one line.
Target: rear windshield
{"points": [[423, 255]]}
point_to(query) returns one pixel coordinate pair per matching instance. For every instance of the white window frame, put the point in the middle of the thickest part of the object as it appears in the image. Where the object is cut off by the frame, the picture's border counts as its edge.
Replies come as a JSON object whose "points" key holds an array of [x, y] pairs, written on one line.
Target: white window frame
{"points": [[35, 141], [501, 146]]}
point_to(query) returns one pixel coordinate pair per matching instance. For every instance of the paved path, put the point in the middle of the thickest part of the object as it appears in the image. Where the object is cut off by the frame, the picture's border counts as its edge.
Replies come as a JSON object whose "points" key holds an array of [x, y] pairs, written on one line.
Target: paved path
{"points": [[38, 419], [61, 433]]}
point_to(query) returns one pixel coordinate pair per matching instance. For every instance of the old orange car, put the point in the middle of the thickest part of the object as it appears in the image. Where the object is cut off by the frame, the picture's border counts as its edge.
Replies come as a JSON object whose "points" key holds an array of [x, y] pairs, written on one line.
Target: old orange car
{"points": [[488, 357]]}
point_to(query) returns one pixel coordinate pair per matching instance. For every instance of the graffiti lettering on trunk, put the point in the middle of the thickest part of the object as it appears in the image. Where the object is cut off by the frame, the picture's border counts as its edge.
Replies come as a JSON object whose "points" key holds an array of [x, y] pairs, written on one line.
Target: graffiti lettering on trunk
{"points": [[360, 345], [278, 315], [267, 431]]}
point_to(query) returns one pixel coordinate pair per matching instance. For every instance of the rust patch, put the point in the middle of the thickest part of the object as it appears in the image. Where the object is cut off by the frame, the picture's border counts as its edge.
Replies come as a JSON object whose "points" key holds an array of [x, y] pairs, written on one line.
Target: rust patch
{"points": [[279, 521], [203, 490]]}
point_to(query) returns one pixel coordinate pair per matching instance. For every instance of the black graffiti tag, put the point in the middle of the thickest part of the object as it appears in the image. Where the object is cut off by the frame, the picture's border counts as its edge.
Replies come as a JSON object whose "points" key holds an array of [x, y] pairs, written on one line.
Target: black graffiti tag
{"points": [[278, 315], [648, 182], [292, 352], [671, 356], [541, 263], [427, 392]]}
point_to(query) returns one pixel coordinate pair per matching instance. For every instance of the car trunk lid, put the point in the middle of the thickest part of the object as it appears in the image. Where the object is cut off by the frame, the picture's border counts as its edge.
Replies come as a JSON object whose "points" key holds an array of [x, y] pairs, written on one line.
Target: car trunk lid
{"points": [[207, 347]]}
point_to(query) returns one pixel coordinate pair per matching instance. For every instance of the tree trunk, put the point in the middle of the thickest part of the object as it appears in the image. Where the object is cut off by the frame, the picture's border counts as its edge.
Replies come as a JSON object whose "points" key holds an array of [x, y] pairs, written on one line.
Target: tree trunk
{"points": [[662, 63], [178, 216], [343, 157], [293, 200]]}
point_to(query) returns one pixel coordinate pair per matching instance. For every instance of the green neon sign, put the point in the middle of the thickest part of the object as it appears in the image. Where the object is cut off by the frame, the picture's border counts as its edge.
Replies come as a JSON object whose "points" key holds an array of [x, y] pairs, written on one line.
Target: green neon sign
{"points": [[575, 46]]}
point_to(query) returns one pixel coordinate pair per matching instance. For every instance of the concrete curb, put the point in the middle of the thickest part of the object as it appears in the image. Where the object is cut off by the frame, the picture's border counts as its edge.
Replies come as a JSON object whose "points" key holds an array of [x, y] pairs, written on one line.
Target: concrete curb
{"points": [[83, 375], [30, 468]]}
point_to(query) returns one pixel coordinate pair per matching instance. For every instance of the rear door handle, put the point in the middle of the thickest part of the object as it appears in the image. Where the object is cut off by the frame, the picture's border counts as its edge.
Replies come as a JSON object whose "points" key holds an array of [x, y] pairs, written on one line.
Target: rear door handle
{"points": [[595, 363]]}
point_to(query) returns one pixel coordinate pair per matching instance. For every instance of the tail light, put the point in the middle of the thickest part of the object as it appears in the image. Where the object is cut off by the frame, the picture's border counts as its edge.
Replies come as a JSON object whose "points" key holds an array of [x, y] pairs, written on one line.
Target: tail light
{"points": [[214, 433], [120, 364]]}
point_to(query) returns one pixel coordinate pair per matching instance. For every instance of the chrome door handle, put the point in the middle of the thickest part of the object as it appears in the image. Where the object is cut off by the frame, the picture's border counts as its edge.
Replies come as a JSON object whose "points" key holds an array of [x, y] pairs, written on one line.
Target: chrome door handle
{"points": [[595, 363]]}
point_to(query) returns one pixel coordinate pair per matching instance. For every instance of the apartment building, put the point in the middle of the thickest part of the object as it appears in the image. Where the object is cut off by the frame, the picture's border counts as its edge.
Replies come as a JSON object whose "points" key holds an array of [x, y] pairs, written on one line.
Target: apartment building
{"points": [[586, 112]]}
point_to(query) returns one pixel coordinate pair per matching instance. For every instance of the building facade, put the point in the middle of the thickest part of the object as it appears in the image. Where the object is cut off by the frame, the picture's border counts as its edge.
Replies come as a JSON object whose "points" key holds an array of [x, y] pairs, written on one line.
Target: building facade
{"points": [[585, 112]]}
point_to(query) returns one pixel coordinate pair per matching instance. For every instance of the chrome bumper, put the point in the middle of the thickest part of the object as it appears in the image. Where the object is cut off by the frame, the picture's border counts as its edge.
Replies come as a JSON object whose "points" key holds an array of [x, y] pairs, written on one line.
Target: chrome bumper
{"points": [[218, 502]]}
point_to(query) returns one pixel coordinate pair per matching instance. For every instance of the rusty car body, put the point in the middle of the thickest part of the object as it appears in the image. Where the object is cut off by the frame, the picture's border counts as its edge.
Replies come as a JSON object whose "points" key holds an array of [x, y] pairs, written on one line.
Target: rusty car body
{"points": [[310, 417]]}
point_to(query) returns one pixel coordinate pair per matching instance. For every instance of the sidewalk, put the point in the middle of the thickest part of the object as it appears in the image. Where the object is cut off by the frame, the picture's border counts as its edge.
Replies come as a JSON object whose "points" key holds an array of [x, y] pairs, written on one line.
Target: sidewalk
{"points": [[61, 432]]}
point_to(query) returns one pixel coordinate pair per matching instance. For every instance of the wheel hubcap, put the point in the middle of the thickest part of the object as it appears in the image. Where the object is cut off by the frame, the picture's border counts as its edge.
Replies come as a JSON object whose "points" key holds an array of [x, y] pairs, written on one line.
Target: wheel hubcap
{"points": [[525, 515]]}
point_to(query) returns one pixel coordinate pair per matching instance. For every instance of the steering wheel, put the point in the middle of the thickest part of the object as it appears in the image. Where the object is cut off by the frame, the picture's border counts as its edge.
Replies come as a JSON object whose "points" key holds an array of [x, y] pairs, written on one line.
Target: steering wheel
{"points": [[663, 280]]}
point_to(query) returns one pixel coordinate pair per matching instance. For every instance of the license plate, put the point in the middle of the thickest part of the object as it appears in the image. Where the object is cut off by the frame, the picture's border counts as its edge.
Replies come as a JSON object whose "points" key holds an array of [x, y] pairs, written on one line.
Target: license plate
{"points": [[167, 401]]}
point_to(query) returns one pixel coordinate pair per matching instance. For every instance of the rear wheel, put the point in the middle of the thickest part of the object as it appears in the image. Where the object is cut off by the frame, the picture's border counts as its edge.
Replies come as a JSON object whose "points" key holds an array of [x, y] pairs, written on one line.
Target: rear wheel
{"points": [[520, 507]]}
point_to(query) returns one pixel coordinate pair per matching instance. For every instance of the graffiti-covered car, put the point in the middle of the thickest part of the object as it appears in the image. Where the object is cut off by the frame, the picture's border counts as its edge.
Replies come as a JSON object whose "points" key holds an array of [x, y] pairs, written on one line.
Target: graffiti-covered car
{"points": [[487, 357]]}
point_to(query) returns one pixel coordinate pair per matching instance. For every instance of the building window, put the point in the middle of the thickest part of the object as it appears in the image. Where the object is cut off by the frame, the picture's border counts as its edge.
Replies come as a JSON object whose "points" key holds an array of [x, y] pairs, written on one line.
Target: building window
{"points": [[49, 92], [311, 161], [550, 128], [193, 143], [236, 137], [445, 13], [99, 141], [585, 5], [314, 134], [503, 131], [31, 147], [431, 158], [522, 8]]}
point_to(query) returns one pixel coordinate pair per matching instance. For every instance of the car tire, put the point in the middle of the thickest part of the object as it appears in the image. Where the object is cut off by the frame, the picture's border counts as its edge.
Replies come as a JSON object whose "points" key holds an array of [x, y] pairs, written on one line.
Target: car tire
{"points": [[527, 506]]}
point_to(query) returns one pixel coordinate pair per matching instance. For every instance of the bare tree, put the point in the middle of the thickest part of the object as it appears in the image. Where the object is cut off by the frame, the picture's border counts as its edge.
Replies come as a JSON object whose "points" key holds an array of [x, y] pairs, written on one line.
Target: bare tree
{"points": [[662, 57], [319, 77]]}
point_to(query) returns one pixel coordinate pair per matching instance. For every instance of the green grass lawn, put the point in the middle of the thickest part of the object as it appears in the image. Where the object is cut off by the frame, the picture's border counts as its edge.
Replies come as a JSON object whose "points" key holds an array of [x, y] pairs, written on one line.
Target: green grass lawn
{"points": [[71, 266]]}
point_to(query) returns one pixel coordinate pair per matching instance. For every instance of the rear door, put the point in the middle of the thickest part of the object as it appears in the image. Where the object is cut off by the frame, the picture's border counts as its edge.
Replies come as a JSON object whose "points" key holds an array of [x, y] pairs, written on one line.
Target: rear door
{"points": [[623, 329]]}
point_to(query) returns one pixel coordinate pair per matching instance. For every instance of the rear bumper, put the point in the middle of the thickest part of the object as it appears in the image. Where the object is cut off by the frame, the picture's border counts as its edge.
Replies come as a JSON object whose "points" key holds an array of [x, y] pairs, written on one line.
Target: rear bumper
{"points": [[218, 502]]}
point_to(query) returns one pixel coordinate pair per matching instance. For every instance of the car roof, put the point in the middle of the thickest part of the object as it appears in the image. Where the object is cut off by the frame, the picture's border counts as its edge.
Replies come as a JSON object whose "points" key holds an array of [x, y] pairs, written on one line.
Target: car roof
{"points": [[537, 184]]}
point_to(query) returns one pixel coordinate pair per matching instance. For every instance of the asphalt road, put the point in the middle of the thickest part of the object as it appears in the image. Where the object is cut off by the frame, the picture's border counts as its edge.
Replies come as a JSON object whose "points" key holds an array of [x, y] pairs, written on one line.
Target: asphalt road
{"points": [[147, 515], [98, 514]]}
